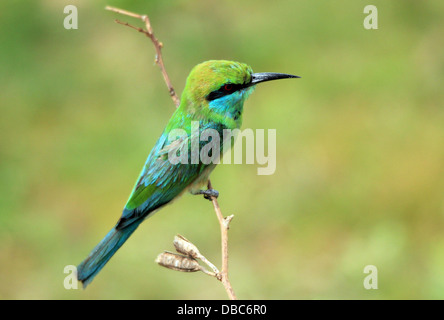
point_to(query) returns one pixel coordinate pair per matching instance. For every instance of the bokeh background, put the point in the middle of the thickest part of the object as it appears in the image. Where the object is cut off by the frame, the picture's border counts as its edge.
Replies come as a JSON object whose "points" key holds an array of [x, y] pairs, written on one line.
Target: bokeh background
{"points": [[360, 148]]}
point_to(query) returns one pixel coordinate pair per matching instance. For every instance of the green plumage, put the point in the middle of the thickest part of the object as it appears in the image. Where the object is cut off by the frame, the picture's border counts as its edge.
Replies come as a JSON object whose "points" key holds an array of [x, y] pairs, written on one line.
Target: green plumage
{"points": [[213, 97]]}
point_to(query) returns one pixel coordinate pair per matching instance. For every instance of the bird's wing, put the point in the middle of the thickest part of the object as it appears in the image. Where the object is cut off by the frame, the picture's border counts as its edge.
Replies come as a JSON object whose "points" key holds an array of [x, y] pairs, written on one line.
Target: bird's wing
{"points": [[160, 181]]}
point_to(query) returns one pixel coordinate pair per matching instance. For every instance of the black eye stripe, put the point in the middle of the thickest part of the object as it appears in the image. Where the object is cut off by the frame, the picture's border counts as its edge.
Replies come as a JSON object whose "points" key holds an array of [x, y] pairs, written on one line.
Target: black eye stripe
{"points": [[224, 90]]}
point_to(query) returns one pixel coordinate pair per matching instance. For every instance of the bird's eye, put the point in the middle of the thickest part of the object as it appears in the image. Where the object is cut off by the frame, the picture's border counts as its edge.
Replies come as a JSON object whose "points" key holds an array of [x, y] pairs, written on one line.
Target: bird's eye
{"points": [[225, 90]]}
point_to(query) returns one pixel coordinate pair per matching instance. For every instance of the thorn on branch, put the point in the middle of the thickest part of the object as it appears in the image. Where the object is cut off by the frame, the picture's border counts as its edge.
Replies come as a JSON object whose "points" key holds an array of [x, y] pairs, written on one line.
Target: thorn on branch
{"points": [[227, 221]]}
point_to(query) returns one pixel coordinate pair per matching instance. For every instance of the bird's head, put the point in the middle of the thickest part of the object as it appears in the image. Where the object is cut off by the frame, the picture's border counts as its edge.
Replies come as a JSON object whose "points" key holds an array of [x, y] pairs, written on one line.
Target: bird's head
{"points": [[220, 87]]}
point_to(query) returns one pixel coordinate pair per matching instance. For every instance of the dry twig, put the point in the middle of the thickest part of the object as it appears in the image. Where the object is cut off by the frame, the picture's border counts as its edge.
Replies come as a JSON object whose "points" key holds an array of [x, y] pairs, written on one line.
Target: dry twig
{"points": [[223, 221], [224, 226], [157, 45]]}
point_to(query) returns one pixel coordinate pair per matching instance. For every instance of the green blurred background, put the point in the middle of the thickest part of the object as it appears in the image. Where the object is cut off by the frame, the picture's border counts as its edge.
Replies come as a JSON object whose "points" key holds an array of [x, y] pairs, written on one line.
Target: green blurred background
{"points": [[360, 148]]}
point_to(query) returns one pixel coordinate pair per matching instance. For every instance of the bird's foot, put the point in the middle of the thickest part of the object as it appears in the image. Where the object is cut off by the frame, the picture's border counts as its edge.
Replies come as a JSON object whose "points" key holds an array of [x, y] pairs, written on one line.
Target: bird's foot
{"points": [[209, 193]]}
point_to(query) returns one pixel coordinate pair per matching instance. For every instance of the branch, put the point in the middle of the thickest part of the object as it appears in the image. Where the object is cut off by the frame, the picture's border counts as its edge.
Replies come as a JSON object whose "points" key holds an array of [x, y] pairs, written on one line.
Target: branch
{"points": [[224, 226], [168, 259], [157, 45]]}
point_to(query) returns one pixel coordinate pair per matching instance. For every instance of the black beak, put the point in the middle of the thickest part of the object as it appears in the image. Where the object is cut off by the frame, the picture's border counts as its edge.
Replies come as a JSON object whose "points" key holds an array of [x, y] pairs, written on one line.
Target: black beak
{"points": [[268, 76]]}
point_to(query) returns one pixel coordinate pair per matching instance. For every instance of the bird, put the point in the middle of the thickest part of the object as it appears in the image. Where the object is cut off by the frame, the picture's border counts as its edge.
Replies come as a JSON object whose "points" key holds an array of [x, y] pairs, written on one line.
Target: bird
{"points": [[213, 97]]}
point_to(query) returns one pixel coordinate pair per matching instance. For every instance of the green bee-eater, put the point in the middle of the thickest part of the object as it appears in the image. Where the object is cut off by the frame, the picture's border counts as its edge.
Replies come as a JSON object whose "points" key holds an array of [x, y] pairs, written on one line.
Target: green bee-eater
{"points": [[214, 97]]}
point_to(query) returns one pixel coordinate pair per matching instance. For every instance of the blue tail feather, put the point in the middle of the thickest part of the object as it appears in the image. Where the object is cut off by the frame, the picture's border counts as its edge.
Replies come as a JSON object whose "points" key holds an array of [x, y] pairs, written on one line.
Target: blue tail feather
{"points": [[101, 254]]}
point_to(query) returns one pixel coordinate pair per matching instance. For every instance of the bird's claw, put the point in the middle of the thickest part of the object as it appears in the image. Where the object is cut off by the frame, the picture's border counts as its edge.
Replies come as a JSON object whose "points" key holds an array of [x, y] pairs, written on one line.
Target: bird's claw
{"points": [[209, 193]]}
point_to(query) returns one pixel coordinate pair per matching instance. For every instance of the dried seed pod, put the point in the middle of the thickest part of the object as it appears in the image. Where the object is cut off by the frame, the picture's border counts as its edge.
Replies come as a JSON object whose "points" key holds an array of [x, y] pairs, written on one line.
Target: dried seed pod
{"points": [[185, 246], [178, 262]]}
